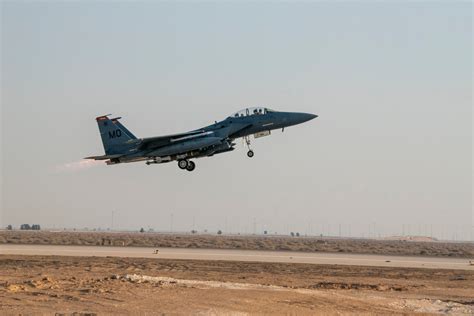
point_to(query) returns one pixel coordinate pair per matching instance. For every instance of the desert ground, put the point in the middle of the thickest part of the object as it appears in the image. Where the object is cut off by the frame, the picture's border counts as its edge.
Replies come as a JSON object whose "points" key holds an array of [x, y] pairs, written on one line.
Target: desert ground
{"points": [[106, 285], [142, 286], [252, 242]]}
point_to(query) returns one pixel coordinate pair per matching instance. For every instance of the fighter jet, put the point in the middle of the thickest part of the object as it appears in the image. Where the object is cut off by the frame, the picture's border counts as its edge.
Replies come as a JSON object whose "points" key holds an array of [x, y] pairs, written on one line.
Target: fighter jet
{"points": [[121, 146]]}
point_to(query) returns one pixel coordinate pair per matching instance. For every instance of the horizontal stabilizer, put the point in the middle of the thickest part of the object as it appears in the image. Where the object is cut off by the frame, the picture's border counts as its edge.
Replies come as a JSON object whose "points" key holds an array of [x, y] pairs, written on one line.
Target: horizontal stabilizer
{"points": [[104, 157]]}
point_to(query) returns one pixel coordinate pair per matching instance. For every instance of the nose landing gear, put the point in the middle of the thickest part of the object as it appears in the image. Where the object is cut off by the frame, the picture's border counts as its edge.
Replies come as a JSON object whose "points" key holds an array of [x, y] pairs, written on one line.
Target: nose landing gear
{"points": [[250, 153]]}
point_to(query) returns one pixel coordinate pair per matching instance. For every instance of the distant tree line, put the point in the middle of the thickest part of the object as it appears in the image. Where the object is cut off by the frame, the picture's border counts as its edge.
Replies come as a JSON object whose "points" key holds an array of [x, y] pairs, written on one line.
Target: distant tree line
{"points": [[30, 227]]}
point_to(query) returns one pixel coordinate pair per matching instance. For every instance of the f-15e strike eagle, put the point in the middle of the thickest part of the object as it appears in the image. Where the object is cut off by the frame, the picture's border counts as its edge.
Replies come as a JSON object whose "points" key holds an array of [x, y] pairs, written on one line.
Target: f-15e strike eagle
{"points": [[122, 146]]}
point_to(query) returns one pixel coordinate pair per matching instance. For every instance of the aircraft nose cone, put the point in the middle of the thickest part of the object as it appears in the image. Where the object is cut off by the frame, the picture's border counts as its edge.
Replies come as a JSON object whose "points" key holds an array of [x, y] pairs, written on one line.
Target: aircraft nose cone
{"points": [[311, 116], [295, 118], [304, 117]]}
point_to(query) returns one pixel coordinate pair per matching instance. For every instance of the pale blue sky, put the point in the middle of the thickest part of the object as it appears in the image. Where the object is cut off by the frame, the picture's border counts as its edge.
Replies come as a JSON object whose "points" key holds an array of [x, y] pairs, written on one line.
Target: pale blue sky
{"points": [[392, 83]]}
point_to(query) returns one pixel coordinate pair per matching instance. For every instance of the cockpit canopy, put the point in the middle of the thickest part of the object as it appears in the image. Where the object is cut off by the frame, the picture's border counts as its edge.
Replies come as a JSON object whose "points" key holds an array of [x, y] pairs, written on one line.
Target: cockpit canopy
{"points": [[252, 111]]}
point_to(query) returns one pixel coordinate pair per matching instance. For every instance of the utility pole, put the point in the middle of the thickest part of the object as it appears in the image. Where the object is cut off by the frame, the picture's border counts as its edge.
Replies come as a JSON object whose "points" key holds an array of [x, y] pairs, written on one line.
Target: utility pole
{"points": [[112, 224], [171, 223]]}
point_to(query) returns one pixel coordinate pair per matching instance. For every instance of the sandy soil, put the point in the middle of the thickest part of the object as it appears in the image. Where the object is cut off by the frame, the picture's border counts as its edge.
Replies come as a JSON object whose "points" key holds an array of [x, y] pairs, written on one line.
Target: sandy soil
{"points": [[92, 285], [309, 244]]}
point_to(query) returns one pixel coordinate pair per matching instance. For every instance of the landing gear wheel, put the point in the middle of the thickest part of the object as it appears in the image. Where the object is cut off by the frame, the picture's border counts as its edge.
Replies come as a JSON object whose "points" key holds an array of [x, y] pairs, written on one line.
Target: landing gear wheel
{"points": [[250, 153], [191, 166], [183, 164]]}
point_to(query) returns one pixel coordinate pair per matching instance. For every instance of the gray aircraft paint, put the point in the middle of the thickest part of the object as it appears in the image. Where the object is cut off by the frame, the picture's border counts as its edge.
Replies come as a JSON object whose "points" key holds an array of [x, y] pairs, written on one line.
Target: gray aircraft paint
{"points": [[121, 146]]}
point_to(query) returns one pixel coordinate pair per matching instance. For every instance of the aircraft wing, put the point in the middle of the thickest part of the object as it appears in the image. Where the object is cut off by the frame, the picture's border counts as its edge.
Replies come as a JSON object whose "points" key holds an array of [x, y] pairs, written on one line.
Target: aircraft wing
{"points": [[160, 141]]}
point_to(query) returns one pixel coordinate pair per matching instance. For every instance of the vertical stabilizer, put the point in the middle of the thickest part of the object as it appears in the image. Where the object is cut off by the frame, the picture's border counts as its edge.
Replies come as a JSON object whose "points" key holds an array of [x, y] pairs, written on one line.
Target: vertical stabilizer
{"points": [[115, 137]]}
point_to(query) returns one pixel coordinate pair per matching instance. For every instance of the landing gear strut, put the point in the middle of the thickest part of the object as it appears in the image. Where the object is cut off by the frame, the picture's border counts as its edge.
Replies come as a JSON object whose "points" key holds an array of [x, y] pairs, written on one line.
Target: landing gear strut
{"points": [[250, 153]]}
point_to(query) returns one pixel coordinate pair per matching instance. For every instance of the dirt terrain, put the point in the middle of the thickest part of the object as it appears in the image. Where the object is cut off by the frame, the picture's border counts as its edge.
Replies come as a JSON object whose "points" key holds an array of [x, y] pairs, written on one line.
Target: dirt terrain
{"points": [[93, 285], [308, 244]]}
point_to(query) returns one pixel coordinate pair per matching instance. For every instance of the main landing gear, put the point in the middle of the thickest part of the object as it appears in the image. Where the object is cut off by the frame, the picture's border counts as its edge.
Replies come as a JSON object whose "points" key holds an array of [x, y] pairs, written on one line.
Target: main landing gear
{"points": [[186, 164], [250, 153]]}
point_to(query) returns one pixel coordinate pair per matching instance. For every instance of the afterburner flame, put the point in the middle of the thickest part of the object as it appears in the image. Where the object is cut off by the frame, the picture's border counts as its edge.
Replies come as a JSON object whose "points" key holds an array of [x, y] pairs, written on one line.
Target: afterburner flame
{"points": [[78, 165]]}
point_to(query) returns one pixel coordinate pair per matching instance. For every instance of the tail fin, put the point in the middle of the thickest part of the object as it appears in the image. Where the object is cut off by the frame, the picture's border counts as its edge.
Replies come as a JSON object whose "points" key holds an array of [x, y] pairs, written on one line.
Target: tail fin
{"points": [[115, 137]]}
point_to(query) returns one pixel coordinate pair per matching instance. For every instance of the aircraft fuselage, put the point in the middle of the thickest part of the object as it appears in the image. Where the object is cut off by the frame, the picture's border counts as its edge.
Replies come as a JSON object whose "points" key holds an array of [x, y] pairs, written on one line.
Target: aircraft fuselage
{"points": [[121, 146]]}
